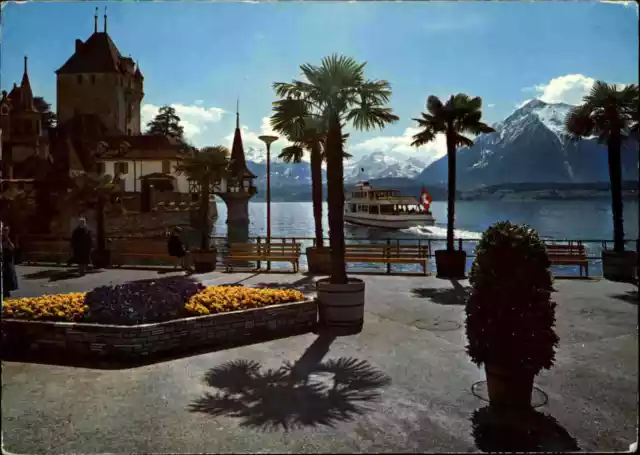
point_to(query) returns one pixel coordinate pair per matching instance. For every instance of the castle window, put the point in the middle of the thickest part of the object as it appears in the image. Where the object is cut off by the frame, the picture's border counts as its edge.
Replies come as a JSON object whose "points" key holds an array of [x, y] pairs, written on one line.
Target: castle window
{"points": [[121, 168], [93, 79], [166, 167], [79, 77], [101, 168]]}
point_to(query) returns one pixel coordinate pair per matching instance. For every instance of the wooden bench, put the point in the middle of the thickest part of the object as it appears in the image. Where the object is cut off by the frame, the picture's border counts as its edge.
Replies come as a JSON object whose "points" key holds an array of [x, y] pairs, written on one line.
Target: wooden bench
{"points": [[569, 254], [125, 250], [388, 254], [53, 250], [270, 252]]}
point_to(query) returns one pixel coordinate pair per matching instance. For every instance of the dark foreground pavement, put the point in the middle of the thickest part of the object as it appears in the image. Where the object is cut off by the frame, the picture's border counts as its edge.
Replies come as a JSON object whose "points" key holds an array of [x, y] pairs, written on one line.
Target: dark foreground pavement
{"points": [[403, 385]]}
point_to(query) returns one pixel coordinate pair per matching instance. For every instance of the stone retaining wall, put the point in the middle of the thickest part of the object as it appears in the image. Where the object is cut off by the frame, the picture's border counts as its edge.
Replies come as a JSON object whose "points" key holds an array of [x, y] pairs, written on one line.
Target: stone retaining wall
{"points": [[140, 341]]}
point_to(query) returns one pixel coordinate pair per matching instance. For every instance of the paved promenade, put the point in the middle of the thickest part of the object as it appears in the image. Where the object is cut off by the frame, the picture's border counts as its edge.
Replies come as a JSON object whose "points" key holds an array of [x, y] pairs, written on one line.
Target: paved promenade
{"points": [[402, 385]]}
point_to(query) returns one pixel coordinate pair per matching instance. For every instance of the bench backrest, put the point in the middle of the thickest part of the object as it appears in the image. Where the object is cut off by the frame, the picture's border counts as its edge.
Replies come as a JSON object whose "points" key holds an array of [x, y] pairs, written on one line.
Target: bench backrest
{"points": [[382, 250], [140, 246], [265, 248], [573, 249]]}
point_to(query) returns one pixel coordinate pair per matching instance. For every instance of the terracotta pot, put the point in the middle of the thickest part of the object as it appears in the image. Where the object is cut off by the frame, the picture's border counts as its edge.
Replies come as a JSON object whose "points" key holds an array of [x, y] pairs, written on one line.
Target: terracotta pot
{"points": [[341, 306], [319, 260], [509, 388], [621, 267], [451, 264], [204, 261]]}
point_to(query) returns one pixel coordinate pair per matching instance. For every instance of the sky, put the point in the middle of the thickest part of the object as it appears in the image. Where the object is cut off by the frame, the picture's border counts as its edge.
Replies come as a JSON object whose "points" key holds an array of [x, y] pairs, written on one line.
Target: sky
{"points": [[200, 57]]}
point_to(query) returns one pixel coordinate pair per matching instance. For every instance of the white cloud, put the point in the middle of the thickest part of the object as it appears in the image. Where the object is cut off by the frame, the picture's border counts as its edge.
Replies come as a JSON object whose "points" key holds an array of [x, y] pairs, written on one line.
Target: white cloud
{"points": [[195, 119], [250, 139], [491, 105], [569, 89], [402, 144], [519, 105]]}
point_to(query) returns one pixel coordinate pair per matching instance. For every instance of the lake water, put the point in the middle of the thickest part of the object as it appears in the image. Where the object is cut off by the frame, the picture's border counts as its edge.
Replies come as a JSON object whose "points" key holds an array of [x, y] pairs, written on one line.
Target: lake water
{"points": [[577, 220]]}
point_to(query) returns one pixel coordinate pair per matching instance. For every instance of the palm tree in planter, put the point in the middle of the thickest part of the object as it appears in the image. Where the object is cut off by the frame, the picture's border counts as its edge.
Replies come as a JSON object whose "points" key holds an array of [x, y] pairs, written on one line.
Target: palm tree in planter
{"points": [[460, 114], [306, 132], [206, 167], [509, 313], [99, 193], [337, 93], [610, 113]]}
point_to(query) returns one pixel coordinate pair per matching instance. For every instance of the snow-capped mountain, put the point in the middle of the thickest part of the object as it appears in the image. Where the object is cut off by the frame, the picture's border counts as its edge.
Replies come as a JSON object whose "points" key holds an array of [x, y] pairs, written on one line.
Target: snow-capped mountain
{"points": [[530, 146], [382, 165]]}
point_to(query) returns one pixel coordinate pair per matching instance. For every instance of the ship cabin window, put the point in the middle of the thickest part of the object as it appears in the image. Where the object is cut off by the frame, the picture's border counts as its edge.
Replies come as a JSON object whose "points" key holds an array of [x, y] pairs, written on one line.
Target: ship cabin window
{"points": [[93, 79], [387, 209], [79, 78], [374, 209]]}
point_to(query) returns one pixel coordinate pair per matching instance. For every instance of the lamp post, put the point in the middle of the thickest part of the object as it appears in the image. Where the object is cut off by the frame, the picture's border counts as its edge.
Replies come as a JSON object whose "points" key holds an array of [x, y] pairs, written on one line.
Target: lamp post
{"points": [[268, 140]]}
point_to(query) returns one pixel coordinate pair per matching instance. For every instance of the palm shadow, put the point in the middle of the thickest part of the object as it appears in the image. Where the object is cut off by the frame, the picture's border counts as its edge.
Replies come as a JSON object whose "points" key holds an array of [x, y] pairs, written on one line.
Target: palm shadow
{"points": [[57, 275], [305, 285], [309, 392], [449, 296], [519, 431], [629, 296]]}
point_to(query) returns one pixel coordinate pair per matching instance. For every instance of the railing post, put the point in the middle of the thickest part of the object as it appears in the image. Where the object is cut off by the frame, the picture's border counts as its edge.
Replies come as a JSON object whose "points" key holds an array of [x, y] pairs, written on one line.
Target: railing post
{"points": [[258, 262], [388, 258], [459, 244]]}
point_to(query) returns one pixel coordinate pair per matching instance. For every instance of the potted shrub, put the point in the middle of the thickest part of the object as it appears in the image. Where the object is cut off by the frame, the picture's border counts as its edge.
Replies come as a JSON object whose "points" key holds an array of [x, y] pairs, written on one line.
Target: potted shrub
{"points": [[206, 167], [509, 313], [460, 114], [335, 93], [611, 113], [295, 120]]}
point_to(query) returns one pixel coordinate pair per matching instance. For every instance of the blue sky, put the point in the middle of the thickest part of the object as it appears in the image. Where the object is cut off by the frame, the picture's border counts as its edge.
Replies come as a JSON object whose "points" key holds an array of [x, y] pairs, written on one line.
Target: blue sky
{"points": [[201, 56]]}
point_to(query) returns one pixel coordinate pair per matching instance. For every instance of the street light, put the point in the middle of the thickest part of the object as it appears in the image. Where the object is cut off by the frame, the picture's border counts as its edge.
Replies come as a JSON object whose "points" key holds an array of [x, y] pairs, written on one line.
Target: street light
{"points": [[268, 140]]}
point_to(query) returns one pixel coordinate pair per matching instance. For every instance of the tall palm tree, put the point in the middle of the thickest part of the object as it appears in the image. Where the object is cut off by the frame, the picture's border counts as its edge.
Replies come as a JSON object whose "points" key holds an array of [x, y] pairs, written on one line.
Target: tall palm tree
{"points": [[460, 114], [207, 168], [99, 193], [337, 93], [610, 113], [306, 132]]}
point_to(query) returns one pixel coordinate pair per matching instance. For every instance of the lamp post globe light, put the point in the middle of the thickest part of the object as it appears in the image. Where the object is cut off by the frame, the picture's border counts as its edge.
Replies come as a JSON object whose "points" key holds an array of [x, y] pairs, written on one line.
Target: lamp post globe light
{"points": [[268, 140]]}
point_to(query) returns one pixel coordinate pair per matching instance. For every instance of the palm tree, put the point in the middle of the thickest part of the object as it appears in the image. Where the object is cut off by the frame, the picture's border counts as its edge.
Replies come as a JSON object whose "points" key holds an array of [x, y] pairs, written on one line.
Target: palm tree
{"points": [[100, 193], [611, 114], [460, 114], [207, 168], [336, 92], [305, 131]]}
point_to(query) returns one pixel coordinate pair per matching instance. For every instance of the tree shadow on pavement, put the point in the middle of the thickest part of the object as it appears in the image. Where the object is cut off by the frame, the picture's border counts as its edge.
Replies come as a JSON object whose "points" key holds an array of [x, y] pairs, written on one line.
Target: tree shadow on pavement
{"points": [[309, 392], [445, 296], [519, 431], [57, 274], [629, 296]]}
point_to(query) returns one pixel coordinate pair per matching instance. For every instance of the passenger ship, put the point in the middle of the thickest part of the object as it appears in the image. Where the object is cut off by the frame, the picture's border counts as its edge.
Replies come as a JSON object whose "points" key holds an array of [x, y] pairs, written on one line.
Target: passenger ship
{"points": [[385, 208]]}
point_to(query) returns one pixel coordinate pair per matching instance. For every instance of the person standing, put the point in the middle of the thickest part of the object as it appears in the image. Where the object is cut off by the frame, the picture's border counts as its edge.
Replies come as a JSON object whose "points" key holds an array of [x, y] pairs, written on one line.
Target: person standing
{"points": [[9, 277], [176, 248], [81, 244]]}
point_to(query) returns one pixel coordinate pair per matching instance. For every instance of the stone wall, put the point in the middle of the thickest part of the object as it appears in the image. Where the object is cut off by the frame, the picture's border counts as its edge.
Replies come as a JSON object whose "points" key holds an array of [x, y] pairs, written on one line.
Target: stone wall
{"points": [[141, 341]]}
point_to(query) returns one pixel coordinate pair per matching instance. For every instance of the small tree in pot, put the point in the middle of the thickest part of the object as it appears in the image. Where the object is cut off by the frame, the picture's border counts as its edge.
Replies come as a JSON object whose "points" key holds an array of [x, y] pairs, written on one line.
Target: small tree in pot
{"points": [[510, 315], [206, 167]]}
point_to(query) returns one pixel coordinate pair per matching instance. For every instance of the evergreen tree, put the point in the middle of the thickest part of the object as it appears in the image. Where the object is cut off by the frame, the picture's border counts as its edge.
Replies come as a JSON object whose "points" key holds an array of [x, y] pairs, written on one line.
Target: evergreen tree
{"points": [[166, 123], [48, 117]]}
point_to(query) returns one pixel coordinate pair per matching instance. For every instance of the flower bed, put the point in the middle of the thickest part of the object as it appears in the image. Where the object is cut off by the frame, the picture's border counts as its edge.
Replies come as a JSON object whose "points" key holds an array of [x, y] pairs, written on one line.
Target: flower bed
{"points": [[145, 302], [145, 318]]}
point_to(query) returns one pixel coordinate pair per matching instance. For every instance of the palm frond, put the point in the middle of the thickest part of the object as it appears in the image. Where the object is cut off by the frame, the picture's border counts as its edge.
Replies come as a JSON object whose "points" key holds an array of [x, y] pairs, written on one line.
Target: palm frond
{"points": [[291, 154]]}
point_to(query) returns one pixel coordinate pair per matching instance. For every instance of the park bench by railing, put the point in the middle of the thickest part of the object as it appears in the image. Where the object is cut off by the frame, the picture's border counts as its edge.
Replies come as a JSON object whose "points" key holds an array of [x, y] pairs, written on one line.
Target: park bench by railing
{"points": [[569, 254], [388, 254], [269, 252]]}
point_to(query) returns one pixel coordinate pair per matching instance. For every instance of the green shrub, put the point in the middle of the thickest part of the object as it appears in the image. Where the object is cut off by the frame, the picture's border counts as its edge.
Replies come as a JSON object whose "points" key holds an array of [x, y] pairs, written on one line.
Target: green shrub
{"points": [[510, 315]]}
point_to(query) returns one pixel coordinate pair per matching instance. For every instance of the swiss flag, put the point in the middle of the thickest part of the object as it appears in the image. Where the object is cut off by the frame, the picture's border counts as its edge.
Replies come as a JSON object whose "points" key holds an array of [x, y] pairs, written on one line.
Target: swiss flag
{"points": [[425, 198]]}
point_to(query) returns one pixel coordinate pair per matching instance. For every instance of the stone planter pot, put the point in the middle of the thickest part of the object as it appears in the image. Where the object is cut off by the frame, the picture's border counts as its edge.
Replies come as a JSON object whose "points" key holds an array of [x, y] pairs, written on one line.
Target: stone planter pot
{"points": [[620, 266], [101, 259], [319, 260], [451, 264], [341, 306], [204, 261], [509, 389]]}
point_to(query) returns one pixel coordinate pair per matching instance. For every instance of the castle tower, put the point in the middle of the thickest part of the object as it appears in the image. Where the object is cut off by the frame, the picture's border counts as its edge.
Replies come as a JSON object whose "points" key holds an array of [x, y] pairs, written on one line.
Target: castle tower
{"points": [[98, 81], [239, 189]]}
